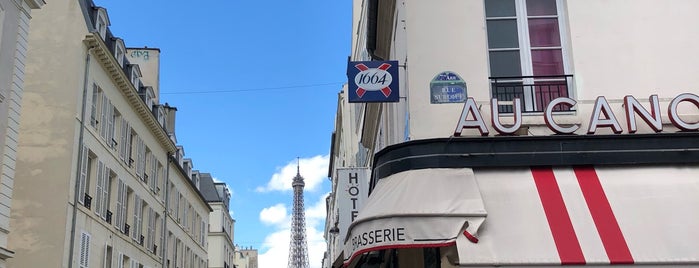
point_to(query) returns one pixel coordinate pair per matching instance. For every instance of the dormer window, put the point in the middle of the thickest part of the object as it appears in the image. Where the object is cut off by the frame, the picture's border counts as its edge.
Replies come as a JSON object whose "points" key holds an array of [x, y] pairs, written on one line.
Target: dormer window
{"points": [[102, 22], [119, 51], [135, 76]]}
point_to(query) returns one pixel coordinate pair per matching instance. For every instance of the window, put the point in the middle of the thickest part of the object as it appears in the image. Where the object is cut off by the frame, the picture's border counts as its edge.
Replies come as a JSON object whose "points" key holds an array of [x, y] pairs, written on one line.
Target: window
{"points": [[153, 179], [125, 141], [84, 181], [114, 118], [102, 22], [108, 256], [526, 51], [94, 104], [121, 206], [104, 176], [140, 158], [137, 218], [119, 51], [150, 231], [107, 119], [135, 76], [84, 261]]}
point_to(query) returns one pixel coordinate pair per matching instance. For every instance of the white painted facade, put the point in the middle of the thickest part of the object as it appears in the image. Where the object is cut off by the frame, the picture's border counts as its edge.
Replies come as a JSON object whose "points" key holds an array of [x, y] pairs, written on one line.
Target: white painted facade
{"points": [[97, 170], [14, 30]]}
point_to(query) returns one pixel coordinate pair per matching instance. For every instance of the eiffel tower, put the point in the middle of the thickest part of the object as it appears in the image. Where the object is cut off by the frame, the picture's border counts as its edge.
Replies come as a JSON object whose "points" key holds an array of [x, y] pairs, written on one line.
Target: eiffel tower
{"points": [[298, 247]]}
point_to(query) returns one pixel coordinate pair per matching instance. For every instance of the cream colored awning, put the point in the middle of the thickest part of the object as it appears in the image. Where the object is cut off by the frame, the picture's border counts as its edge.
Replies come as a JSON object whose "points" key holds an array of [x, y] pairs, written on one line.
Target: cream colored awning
{"points": [[417, 208]]}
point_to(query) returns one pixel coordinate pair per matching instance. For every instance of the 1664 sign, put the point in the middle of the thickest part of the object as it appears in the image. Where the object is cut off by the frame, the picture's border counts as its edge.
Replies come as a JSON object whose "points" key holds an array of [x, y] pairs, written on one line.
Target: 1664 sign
{"points": [[602, 116], [373, 81]]}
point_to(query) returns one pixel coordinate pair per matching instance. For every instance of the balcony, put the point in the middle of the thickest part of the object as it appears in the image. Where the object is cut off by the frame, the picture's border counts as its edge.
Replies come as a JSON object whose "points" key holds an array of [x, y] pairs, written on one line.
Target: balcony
{"points": [[127, 228], [87, 201], [535, 92], [108, 217]]}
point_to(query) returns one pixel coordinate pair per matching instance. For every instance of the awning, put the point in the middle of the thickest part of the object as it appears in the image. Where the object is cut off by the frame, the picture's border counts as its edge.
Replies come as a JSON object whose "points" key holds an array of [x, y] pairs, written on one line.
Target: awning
{"points": [[417, 208], [587, 215]]}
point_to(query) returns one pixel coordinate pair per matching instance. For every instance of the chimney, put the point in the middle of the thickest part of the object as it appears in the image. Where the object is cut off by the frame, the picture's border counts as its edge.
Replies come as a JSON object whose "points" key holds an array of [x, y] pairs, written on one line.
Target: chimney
{"points": [[170, 121]]}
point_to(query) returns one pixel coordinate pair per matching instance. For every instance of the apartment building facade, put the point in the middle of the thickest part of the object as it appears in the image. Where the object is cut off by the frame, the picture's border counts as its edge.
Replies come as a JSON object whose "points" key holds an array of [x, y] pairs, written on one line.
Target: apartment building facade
{"points": [[527, 133], [221, 224], [100, 179], [14, 29]]}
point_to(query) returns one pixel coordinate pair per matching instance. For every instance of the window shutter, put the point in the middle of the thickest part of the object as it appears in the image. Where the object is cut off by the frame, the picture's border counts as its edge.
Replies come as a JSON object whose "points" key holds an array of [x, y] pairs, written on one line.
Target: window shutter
{"points": [[110, 124], [127, 149], [137, 215], [104, 199], [122, 140], [150, 233], [133, 264], [93, 105], [83, 175], [119, 222], [84, 260], [153, 172], [120, 260], [99, 191], [103, 117]]}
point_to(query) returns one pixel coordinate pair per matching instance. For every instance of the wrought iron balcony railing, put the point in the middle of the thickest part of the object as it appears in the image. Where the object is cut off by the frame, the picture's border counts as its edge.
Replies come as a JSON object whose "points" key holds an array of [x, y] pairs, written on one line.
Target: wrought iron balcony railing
{"points": [[535, 92]]}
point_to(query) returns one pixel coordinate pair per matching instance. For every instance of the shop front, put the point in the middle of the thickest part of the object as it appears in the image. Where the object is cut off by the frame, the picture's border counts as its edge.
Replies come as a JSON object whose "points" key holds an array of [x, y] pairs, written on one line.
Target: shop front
{"points": [[522, 201]]}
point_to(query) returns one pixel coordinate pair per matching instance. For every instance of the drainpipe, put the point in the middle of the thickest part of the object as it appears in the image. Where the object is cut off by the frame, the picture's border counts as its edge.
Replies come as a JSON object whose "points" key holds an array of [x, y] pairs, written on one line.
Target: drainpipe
{"points": [[80, 154], [167, 208]]}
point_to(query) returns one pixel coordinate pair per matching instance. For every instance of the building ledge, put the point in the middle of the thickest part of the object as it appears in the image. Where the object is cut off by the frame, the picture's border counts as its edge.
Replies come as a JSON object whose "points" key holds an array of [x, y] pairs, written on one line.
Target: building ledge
{"points": [[6, 253], [526, 151]]}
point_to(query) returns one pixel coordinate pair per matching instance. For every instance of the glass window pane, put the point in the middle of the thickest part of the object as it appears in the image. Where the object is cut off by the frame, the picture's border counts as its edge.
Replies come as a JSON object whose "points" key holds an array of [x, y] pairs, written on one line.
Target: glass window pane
{"points": [[502, 34], [544, 33], [505, 63], [500, 8], [541, 7], [547, 62]]}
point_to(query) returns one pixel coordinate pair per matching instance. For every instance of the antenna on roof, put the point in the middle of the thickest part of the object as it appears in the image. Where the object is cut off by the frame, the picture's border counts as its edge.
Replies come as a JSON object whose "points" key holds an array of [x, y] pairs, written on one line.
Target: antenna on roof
{"points": [[298, 166]]}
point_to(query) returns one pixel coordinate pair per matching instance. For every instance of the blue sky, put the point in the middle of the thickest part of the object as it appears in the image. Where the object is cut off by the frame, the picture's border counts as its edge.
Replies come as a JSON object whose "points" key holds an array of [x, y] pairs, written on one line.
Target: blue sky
{"points": [[275, 68]]}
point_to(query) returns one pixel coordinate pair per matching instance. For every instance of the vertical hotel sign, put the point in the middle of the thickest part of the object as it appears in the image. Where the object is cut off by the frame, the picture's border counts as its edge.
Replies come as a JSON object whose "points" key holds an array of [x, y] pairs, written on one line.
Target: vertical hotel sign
{"points": [[373, 81], [352, 191]]}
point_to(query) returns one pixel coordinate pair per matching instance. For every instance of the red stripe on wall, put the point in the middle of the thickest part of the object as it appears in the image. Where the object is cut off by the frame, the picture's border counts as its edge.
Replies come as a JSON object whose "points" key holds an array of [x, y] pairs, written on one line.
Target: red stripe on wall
{"points": [[557, 215], [603, 216]]}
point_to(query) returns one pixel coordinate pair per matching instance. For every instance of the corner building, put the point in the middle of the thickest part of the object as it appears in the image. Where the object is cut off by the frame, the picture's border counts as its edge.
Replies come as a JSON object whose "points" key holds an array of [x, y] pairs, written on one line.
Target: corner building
{"points": [[100, 179], [527, 133]]}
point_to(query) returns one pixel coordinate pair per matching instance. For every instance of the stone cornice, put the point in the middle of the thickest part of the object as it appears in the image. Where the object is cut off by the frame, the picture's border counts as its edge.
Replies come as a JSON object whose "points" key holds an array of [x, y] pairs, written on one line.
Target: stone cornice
{"points": [[112, 67]]}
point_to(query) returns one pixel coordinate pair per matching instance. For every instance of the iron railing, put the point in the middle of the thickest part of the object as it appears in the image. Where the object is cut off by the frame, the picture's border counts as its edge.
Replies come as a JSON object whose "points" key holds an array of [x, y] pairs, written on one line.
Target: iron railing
{"points": [[535, 92]]}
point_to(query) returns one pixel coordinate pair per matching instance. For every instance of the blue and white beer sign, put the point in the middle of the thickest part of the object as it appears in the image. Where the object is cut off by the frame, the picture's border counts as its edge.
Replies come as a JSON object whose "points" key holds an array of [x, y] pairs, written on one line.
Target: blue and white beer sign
{"points": [[373, 81]]}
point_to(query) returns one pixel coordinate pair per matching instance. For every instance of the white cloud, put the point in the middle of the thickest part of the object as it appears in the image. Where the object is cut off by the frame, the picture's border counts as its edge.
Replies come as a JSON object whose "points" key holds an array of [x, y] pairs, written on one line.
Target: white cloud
{"points": [[313, 170], [274, 215], [277, 243]]}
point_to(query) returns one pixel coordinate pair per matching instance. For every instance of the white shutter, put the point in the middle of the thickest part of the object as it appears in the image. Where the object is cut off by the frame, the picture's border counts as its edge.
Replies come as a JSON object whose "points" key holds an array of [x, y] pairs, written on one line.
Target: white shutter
{"points": [[83, 175], [120, 211], [107, 259], [150, 233], [133, 264], [104, 199], [140, 157], [137, 217], [120, 260], [127, 150], [93, 107], [84, 260], [122, 139], [99, 191], [154, 172], [110, 124], [103, 117]]}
